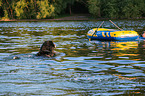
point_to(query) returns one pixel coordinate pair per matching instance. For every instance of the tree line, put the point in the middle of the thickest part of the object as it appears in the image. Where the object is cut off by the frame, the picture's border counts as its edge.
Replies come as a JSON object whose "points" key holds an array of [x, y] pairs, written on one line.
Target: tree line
{"points": [[42, 9]]}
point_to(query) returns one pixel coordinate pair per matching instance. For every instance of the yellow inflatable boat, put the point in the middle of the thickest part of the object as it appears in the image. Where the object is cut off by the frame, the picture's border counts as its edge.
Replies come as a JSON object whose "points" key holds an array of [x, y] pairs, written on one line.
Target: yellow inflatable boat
{"points": [[111, 34]]}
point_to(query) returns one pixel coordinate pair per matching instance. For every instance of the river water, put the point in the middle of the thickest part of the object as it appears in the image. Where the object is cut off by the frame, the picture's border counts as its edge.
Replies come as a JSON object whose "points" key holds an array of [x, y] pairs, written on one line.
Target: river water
{"points": [[80, 68]]}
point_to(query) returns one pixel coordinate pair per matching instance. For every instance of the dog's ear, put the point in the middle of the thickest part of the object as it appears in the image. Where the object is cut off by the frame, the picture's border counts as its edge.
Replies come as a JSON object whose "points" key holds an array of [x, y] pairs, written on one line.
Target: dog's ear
{"points": [[43, 47], [51, 44]]}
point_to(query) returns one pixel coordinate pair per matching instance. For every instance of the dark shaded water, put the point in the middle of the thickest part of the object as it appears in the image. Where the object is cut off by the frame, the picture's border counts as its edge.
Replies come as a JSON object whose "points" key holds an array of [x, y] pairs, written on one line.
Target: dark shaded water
{"points": [[81, 67]]}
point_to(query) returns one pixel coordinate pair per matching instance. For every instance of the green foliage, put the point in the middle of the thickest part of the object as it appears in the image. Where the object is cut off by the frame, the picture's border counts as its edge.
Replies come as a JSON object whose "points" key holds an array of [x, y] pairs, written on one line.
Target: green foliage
{"points": [[20, 9], [94, 7], [130, 9], [46, 10], [60, 6], [6, 14], [0, 2], [117, 8], [41, 9], [109, 9], [32, 9]]}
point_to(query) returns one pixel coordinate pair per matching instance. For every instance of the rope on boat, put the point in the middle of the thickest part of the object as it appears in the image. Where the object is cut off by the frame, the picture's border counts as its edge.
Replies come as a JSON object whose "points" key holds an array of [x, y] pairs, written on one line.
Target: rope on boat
{"points": [[98, 27], [115, 25]]}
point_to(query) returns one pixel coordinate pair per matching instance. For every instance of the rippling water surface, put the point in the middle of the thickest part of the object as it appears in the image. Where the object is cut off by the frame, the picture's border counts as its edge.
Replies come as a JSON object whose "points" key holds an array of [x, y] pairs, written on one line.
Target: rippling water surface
{"points": [[81, 67]]}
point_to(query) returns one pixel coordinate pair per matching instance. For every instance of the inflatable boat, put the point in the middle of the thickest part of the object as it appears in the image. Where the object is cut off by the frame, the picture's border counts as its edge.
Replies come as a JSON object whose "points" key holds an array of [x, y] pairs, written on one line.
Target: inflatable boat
{"points": [[112, 34]]}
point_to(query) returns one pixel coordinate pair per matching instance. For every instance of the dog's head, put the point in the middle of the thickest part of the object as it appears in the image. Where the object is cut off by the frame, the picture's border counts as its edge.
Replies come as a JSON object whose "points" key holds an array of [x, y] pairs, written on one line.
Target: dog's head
{"points": [[48, 45], [47, 49]]}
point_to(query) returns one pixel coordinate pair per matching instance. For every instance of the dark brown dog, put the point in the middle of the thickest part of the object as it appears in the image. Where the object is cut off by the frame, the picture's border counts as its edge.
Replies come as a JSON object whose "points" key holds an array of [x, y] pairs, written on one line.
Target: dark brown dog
{"points": [[47, 49]]}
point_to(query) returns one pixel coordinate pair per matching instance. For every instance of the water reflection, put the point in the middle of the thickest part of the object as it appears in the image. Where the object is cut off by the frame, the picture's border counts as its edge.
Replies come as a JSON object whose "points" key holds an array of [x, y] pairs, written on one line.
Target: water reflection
{"points": [[113, 49]]}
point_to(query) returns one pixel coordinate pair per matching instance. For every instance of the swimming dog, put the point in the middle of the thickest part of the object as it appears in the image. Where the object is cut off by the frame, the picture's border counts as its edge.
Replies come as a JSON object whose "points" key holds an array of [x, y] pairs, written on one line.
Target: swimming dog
{"points": [[47, 49]]}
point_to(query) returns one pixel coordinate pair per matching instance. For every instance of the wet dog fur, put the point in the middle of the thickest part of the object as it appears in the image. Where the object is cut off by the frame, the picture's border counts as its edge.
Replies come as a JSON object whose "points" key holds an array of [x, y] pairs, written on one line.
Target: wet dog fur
{"points": [[47, 49]]}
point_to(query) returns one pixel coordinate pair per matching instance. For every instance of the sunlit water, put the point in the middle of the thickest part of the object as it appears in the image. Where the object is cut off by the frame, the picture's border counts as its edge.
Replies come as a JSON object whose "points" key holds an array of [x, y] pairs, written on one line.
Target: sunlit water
{"points": [[81, 67]]}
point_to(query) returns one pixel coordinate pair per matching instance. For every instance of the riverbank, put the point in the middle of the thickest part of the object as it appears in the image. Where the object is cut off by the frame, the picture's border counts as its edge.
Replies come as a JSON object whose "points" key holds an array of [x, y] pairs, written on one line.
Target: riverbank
{"points": [[63, 18], [74, 17]]}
